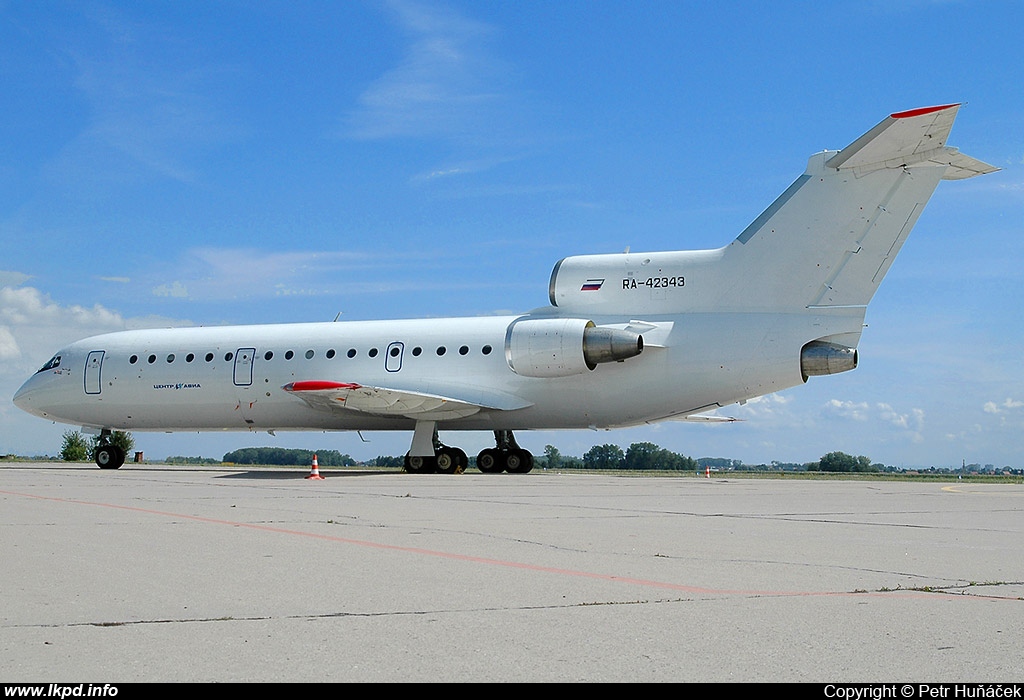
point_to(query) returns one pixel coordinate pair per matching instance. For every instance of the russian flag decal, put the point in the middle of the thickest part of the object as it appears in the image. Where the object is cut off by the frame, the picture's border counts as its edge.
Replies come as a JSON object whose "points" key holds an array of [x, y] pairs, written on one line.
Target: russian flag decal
{"points": [[591, 285]]}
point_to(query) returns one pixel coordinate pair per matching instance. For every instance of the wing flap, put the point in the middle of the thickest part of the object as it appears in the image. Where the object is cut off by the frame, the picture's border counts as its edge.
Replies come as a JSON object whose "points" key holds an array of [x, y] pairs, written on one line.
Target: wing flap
{"points": [[706, 419], [328, 395]]}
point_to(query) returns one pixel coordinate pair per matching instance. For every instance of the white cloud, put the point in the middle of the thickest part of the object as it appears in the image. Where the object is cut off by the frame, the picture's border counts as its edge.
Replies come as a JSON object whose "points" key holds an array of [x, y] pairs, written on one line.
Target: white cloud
{"points": [[27, 306], [1007, 405], [174, 289], [446, 84], [848, 409], [908, 421], [908, 424], [9, 278], [762, 405], [8, 345]]}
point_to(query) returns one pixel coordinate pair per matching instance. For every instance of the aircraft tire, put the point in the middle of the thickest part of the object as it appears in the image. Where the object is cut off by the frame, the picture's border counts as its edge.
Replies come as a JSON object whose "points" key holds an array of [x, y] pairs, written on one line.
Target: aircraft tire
{"points": [[109, 457], [518, 461], [489, 462], [420, 465], [451, 460], [462, 460]]}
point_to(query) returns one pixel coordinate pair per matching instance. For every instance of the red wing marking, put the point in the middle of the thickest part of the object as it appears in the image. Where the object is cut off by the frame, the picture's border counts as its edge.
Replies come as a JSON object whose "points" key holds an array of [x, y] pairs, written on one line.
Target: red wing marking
{"points": [[319, 385]]}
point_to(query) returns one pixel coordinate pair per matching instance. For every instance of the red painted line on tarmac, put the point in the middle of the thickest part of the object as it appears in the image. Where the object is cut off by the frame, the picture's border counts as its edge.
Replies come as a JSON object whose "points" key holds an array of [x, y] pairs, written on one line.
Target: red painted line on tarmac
{"points": [[461, 557]]}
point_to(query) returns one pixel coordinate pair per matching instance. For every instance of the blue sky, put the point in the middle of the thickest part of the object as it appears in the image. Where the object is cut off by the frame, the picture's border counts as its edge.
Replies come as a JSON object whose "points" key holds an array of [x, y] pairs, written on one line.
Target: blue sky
{"points": [[170, 163]]}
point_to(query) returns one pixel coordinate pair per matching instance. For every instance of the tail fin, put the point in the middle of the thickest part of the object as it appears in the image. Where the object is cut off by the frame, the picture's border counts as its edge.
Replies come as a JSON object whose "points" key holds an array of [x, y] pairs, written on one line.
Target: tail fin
{"points": [[831, 237], [826, 242]]}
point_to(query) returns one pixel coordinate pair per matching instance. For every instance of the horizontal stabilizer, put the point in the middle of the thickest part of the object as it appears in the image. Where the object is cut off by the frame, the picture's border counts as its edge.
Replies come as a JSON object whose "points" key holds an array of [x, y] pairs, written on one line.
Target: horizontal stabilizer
{"points": [[907, 138], [963, 166]]}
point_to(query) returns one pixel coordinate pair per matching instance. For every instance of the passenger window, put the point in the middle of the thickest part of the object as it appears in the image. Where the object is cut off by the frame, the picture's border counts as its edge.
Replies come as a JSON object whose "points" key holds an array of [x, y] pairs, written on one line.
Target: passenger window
{"points": [[151, 359], [373, 352], [330, 354], [464, 350], [209, 357], [486, 350], [416, 351], [289, 355], [170, 358], [441, 350], [227, 357], [268, 355], [351, 352], [133, 359], [189, 357], [309, 354]]}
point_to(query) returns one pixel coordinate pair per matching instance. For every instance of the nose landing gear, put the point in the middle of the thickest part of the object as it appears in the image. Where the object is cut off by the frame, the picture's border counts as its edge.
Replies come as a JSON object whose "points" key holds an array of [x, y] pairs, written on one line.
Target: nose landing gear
{"points": [[108, 455]]}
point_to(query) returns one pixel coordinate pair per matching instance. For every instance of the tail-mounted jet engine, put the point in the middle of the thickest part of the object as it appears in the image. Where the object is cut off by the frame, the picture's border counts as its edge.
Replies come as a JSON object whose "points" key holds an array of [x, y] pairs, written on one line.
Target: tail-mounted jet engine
{"points": [[819, 358], [561, 347]]}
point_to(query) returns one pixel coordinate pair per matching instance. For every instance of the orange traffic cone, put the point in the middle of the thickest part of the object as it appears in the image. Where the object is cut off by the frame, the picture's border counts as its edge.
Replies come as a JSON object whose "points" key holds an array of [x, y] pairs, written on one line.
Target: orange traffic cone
{"points": [[315, 471]]}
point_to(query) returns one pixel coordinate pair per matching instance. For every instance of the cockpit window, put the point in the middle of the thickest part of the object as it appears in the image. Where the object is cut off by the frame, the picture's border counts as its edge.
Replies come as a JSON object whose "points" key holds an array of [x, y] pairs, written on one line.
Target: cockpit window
{"points": [[52, 364]]}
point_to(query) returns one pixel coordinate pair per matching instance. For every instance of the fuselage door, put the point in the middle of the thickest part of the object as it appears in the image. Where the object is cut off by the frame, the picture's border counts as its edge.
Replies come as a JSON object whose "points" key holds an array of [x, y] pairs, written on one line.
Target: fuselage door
{"points": [[243, 366], [93, 367], [393, 359]]}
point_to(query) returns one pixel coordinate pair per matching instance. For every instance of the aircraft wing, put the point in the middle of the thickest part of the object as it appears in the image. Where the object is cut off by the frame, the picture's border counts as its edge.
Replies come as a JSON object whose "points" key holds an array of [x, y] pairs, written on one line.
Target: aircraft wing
{"points": [[907, 138], [383, 401]]}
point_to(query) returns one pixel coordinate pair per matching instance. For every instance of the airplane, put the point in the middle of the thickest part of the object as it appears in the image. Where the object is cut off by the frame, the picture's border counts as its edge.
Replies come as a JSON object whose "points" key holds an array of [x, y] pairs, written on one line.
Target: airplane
{"points": [[628, 338]]}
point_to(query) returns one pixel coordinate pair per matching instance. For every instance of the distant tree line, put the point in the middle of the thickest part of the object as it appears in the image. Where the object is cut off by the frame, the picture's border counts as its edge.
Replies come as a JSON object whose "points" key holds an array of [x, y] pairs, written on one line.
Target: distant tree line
{"points": [[284, 456], [178, 459], [638, 457]]}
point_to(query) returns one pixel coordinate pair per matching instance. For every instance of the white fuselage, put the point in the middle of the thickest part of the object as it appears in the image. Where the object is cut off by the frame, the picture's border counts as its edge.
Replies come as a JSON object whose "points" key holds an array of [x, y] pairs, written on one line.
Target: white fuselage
{"points": [[232, 377]]}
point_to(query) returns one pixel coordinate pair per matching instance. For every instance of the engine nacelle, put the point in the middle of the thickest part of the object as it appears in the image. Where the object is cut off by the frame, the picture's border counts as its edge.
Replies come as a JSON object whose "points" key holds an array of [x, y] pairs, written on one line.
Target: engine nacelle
{"points": [[819, 358], [561, 347]]}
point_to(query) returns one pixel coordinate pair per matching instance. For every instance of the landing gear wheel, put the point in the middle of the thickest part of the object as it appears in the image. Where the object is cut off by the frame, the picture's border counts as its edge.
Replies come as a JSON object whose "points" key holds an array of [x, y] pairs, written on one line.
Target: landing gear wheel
{"points": [[447, 462], [109, 457], [420, 465], [489, 461], [518, 461], [451, 460]]}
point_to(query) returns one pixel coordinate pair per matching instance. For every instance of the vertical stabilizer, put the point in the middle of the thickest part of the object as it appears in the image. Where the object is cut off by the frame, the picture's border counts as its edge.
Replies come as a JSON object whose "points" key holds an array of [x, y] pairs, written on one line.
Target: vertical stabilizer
{"points": [[831, 237], [826, 242]]}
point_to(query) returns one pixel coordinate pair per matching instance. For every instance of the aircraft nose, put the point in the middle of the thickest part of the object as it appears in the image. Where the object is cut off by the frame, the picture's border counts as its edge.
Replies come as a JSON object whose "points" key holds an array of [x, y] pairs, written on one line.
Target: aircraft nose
{"points": [[21, 397], [27, 397]]}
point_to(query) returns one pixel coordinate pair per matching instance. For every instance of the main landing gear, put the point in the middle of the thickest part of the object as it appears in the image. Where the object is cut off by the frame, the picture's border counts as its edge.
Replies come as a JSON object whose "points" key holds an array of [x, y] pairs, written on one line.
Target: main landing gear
{"points": [[446, 460], [108, 456], [505, 456]]}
